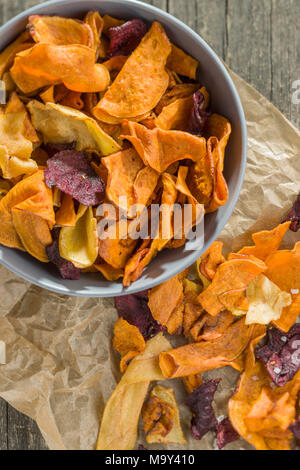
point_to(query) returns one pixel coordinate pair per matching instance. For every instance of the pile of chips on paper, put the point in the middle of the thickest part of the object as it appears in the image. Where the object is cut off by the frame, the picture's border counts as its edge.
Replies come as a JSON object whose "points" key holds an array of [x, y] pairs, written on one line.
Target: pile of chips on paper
{"points": [[99, 110], [240, 312]]}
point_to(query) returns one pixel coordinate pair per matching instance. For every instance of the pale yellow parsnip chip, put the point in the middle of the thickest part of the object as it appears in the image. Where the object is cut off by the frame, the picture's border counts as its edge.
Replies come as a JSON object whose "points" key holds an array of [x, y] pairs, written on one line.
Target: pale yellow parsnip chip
{"points": [[143, 79], [79, 244], [47, 64], [62, 125], [119, 426], [13, 167]]}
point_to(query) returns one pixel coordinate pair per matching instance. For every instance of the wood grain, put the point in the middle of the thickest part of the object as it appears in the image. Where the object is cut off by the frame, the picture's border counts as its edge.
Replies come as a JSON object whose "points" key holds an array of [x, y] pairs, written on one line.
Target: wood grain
{"points": [[258, 39]]}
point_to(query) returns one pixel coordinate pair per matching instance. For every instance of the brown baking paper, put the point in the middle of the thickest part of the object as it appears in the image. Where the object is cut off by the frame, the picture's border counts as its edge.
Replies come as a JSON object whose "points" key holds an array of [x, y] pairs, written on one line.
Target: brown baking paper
{"points": [[60, 366]]}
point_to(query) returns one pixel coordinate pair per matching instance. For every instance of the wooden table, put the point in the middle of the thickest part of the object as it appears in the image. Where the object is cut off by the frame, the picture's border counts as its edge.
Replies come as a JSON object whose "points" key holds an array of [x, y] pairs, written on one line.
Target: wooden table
{"points": [[259, 40]]}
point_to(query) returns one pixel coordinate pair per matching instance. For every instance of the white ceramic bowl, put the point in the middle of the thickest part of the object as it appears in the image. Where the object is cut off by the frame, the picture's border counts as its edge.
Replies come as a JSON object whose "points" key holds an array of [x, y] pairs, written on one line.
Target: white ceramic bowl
{"points": [[225, 101]]}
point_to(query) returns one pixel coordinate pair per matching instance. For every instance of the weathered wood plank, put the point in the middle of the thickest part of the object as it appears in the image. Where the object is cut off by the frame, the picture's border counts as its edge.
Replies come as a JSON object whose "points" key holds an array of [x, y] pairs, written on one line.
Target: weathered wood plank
{"points": [[3, 425], [249, 48], [207, 17], [285, 55], [23, 433]]}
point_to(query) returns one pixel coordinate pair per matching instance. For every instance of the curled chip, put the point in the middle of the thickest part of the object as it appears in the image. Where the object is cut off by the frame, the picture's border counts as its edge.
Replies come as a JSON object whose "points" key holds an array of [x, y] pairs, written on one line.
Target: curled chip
{"points": [[72, 173], [134, 309], [200, 404], [266, 242], [211, 260], [128, 341], [7, 56], [183, 90], [230, 281], [125, 38], [226, 434], [66, 215], [182, 63], [161, 417], [60, 125], [79, 244], [191, 382], [30, 195], [220, 189], [142, 81], [208, 355], [198, 115], [294, 216], [96, 24], [125, 404], [59, 31], [281, 355], [175, 115], [160, 149], [48, 64], [66, 268]]}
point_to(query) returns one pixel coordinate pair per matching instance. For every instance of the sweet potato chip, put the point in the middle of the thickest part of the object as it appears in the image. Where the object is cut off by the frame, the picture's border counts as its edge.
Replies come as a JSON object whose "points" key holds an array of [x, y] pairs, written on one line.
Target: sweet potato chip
{"points": [[266, 301], [110, 273], [144, 185], [13, 167], [159, 149], [33, 232], [207, 355], [218, 126], [161, 417], [180, 91], [262, 414], [48, 64], [284, 271], [116, 252], [119, 426], [165, 298], [213, 327], [66, 215], [211, 260], [128, 341], [96, 23], [266, 242], [30, 195], [139, 94], [220, 191], [123, 168], [182, 63], [176, 115], [191, 382], [59, 31], [7, 56], [231, 279], [61, 125], [79, 244], [115, 63]]}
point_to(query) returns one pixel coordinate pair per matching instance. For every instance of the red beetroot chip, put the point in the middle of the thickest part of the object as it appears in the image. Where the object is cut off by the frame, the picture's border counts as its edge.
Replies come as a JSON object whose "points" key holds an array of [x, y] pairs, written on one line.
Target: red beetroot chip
{"points": [[281, 354], [125, 38], [200, 404], [198, 116], [294, 216], [295, 428], [226, 434], [66, 268], [134, 309], [72, 173]]}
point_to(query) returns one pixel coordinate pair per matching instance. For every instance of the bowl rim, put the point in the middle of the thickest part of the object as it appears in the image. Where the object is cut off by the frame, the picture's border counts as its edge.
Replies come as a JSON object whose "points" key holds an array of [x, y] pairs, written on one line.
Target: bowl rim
{"points": [[152, 282]]}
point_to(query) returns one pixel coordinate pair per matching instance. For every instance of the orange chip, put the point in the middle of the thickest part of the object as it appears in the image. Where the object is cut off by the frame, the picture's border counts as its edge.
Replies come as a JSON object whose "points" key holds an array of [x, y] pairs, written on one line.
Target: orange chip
{"points": [[59, 31], [266, 242], [96, 23], [191, 382], [211, 260], [182, 63], [66, 215], [115, 63], [48, 64], [261, 412], [165, 299], [160, 149], [117, 251], [180, 91], [72, 99], [218, 126], [220, 191], [110, 273], [34, 233], [144, 185], [213, 327], [135, 266], [142, 81], [284, 271], [208, 355], [128, 341], [123, 168], [229, 282], [30, 195], [176, 115], [7, 56], [110, 22]]}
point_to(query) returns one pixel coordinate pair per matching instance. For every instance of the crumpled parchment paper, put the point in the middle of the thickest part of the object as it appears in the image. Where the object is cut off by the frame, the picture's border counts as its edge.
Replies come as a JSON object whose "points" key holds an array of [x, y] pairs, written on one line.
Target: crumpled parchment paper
{"points": [[60, 366]]}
